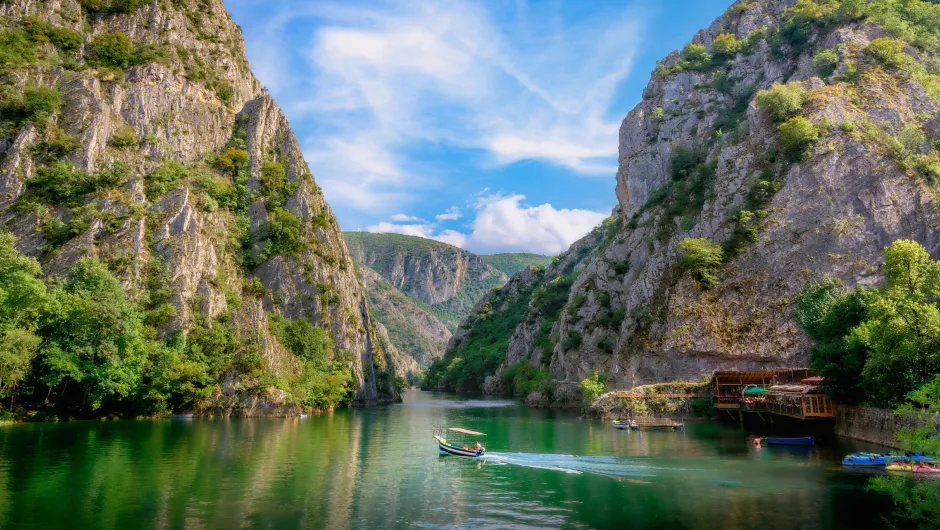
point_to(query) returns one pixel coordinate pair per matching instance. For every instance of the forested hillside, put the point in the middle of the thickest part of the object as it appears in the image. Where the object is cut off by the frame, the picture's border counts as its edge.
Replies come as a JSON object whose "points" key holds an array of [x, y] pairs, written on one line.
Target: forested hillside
{"points": [[511, 263]]}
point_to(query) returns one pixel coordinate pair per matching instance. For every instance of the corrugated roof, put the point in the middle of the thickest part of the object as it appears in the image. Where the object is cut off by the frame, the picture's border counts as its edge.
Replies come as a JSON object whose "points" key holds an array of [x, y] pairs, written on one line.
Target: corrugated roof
{"points": [[465, 431]]}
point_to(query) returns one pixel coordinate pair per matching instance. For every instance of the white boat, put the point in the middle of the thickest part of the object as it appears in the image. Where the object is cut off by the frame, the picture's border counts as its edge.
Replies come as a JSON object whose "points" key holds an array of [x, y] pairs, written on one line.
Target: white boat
{"points": [[459, 441]]}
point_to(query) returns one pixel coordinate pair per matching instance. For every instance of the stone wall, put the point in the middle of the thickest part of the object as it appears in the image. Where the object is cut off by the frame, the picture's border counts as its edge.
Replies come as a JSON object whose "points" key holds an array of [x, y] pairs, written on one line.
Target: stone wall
{"points": [[874, 425]]}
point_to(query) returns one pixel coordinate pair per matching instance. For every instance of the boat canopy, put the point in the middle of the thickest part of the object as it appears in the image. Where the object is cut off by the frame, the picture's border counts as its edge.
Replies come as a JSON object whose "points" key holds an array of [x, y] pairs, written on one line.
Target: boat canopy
{"points": [[465, 431]]}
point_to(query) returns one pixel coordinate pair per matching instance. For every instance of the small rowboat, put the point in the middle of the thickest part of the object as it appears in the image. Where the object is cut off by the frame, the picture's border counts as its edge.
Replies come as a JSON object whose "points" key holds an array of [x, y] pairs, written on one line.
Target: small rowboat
{"points": [[908, 467], [618, 424], [804, 441], [459, 442], [882, 459]]}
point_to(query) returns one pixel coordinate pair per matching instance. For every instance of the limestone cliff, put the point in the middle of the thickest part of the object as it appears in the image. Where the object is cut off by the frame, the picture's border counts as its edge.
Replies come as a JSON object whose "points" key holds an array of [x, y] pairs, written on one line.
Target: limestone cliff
{"points": [[446, 279], [811, 183], [213, 194]]}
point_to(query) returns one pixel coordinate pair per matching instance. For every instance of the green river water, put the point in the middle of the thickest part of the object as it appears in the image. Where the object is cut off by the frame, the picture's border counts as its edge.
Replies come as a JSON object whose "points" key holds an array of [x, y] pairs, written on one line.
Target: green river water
{"points": [[380, 468]]}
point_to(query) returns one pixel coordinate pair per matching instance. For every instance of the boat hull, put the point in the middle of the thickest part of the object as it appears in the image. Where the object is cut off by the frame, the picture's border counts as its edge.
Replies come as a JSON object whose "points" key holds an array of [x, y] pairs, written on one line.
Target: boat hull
{"points": [[458, 451], [806, 441], [880, 460], [913, 468]]}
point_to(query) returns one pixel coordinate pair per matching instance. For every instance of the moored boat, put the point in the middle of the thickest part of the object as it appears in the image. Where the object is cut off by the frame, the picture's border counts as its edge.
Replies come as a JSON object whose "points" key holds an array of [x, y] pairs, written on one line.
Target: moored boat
{"points": [[621, 424], [804, 441], [913, 467], [458, 441], [882, 459]]}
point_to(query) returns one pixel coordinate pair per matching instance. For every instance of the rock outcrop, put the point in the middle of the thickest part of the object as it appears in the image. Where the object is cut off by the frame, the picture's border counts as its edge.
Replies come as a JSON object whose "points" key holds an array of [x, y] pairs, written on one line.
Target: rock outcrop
{"points": [[700, 159], [188, 96]]}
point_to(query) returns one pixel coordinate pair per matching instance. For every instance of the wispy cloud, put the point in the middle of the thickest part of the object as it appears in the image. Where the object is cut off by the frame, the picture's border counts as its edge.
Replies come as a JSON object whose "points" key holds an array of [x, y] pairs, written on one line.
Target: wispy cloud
{"points": [[452, 214], [381, 80]]}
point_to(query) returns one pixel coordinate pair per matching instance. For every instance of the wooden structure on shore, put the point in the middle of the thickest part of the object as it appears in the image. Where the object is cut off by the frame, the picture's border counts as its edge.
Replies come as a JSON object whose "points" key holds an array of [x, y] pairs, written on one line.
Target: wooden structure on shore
{"points": [[792, 392]]}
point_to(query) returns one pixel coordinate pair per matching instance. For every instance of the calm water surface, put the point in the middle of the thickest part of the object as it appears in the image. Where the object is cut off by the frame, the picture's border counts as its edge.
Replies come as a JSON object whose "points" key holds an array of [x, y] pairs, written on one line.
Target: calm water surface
{"points": [[378, 468]]}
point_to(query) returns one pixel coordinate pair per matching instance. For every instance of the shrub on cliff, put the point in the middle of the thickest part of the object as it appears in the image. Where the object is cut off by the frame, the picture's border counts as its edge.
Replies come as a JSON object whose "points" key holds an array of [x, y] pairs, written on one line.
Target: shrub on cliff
{"points": [[726, 45], [32, 105], [695, 57], [702, 259], [781, 102], [825, 62], [112, 49], [164, 178], [797, 135]]}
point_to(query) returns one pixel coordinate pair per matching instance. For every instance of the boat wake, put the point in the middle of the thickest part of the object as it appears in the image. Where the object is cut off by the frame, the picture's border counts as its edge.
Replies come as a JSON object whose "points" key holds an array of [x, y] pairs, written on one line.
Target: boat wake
{"points": [[601, 465]]}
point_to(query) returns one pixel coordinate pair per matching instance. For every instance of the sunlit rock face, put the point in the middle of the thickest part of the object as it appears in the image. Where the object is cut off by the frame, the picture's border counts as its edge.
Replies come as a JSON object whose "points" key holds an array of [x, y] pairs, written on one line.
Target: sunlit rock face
{"points": [[187, 105]]}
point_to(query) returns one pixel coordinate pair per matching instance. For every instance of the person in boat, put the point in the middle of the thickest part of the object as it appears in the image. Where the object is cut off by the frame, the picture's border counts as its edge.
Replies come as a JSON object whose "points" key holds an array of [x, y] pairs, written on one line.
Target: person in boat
{"points": [[479, 448]]}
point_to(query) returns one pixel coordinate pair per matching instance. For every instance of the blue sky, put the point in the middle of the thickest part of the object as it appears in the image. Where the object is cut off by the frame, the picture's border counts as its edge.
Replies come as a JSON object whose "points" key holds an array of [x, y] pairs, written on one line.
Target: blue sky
{"points": [[491, 125]]}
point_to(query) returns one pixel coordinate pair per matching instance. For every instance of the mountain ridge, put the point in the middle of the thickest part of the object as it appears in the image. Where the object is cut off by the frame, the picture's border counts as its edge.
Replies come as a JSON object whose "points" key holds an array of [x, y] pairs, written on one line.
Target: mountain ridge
{"points": [[760, 159]]}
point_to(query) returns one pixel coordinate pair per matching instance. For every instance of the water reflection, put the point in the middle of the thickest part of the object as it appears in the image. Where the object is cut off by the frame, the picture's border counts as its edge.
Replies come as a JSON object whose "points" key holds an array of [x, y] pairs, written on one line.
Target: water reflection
{"points": [[379, 468]]}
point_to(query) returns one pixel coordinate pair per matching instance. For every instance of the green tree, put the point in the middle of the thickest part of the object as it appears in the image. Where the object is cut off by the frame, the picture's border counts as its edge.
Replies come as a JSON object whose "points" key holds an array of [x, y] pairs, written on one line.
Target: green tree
{"points": [[591, 388], [22, 297], [275, 185], [828, 312], [306, 341], [17, 349], [94, 337], [286, 232], [902, 331], [702, 258]]}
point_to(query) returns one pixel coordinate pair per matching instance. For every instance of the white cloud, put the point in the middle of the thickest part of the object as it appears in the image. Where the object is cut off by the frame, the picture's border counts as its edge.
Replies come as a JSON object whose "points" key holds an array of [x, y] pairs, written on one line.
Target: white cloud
{"points": [[384, 79], [420, 230], [403, 218], [504, 224], [452, 214]]}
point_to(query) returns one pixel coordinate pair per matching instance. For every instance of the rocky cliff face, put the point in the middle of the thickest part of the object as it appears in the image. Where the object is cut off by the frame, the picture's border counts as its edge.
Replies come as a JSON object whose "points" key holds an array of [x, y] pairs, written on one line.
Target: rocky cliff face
{"points": [[448, 279], [238, 228], [794, 189]]}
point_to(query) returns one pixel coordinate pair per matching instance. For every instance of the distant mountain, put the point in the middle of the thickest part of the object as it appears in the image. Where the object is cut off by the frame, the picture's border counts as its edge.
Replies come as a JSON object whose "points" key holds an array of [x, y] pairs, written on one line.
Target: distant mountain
{"points": [[511, 263], [411, 329], [417, 279]]}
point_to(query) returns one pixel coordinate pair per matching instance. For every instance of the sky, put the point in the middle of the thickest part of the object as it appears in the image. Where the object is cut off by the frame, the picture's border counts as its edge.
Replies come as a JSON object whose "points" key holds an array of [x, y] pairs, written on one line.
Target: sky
{"points": [[490, 124]]}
